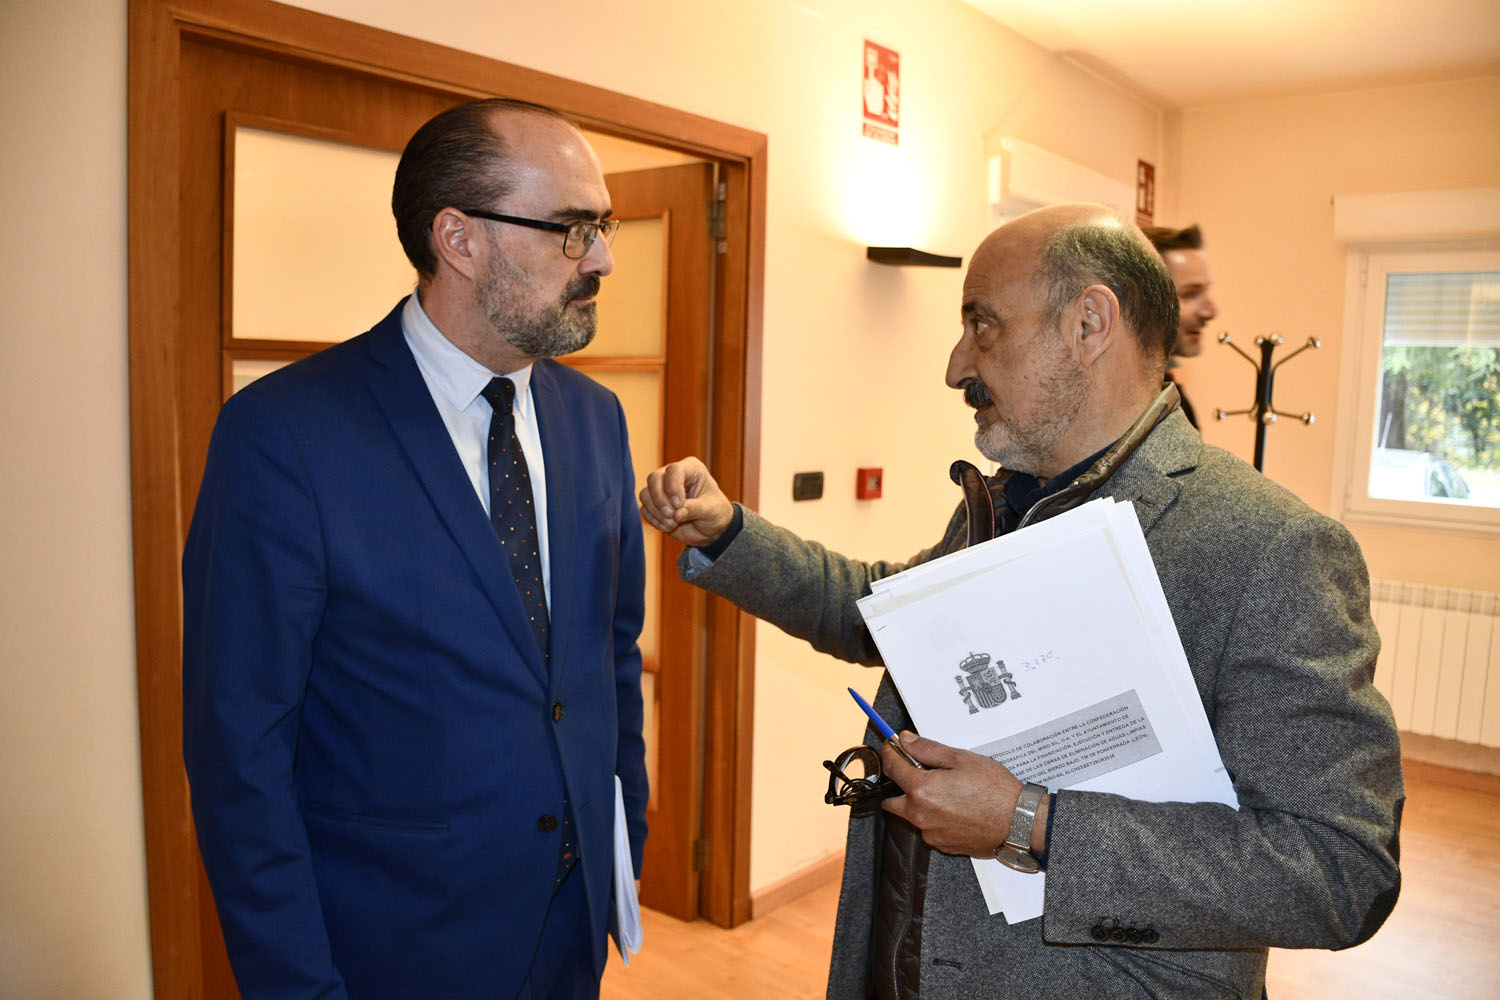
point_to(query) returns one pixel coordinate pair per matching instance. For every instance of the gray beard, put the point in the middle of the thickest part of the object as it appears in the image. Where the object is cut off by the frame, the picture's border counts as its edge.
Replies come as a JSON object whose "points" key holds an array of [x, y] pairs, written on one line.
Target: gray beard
{"points": [[1027, 448], [547, 332], [556, 331]]}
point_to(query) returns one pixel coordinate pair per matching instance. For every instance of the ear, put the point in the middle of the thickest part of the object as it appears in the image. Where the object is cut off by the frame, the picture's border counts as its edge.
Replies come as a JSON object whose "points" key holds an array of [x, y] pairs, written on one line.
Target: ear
{"points": [[1097, 320], [456, 241]]}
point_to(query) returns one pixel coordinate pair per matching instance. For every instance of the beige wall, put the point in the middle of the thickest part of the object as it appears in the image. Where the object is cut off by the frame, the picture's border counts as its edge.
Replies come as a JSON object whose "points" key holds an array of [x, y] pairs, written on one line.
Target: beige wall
{"points": [[854, 356], [72, 869], [1260, 178]]}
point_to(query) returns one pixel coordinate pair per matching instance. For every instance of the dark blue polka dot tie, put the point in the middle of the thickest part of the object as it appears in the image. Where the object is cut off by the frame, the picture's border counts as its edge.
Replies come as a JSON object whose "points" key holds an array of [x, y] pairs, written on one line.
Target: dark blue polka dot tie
{"points": [[512, 512], [513, 516]]}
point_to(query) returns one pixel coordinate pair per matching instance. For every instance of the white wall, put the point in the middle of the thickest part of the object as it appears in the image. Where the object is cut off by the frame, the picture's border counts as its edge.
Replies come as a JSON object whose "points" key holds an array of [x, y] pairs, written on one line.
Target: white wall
{"points": [[72, 863]]}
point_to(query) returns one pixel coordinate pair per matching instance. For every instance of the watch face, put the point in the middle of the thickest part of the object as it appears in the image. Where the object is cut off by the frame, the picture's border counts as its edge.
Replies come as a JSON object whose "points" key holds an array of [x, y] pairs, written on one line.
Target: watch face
{"points": [[1014, 857]]}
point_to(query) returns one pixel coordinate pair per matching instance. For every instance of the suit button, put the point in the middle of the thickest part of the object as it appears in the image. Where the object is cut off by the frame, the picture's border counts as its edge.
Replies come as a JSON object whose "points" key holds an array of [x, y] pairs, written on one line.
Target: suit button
{"points": [[1117, 935], [547, 823], [1100, 932], [1150, 936], [557, 711]]}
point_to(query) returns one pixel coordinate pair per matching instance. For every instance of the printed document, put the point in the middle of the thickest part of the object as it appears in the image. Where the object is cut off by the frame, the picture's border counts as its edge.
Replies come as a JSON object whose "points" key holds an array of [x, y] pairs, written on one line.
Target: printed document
{"points": [[1053, 651]]}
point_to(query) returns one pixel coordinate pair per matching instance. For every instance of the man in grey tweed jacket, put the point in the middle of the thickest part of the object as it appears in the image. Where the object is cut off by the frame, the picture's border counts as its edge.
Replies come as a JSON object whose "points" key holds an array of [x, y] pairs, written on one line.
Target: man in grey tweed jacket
{"points": [[1068, 322]]}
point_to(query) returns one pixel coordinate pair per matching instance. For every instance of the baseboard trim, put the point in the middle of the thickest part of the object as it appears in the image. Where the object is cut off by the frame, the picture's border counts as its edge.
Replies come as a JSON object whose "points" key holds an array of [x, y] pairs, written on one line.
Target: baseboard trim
{"points": [[798, 883], [1451, 753]]}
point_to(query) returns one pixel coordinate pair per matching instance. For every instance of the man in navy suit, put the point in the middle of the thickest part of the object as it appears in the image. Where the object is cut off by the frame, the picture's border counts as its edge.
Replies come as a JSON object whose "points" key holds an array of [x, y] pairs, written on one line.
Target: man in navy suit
{"points": [[402, 736]]}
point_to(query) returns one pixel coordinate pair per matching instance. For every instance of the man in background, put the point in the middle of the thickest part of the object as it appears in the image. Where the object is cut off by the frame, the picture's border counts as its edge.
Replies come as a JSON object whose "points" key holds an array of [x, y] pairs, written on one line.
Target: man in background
{"points": [[1182, 250], [413, 587], [1068, 316]]}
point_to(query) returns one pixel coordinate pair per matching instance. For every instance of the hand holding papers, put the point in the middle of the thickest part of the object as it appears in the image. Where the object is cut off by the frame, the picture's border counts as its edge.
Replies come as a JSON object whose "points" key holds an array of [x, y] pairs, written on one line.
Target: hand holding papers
{"points": [[1051, 650]]}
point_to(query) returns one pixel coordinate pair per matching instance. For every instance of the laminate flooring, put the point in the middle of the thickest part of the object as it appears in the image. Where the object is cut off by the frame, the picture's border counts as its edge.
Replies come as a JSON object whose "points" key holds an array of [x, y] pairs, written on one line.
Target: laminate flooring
{"points": [[1442, 942]]}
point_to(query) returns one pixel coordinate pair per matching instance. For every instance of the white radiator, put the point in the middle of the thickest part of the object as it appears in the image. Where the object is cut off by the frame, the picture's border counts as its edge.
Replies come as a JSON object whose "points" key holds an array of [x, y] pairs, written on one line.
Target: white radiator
{"points": [[1439, 660]]}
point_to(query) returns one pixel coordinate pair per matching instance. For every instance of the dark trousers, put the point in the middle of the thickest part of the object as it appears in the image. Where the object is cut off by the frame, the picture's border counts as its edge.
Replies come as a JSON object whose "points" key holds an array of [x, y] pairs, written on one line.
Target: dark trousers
{"points": [[563, 968]]}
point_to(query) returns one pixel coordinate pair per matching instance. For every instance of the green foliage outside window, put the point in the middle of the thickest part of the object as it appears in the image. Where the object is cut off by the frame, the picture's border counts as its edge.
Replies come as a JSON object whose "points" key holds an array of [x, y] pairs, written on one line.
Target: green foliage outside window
{"points": [[1444, 400]]}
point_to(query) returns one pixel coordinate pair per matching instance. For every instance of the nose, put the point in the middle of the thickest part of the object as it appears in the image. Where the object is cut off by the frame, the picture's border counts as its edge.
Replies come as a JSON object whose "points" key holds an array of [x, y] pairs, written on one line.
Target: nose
{"points": [[1207, 309], [961, 363], [599, 260]]}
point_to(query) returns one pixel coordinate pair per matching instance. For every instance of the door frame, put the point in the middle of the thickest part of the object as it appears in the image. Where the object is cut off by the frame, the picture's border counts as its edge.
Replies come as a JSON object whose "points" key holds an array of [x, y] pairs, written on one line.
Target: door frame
{"points": [[160, 408]]}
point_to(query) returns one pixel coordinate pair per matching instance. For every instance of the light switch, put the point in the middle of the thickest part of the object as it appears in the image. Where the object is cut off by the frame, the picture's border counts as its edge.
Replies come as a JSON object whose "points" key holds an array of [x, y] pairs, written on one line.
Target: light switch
{"points": [[807, 485]]}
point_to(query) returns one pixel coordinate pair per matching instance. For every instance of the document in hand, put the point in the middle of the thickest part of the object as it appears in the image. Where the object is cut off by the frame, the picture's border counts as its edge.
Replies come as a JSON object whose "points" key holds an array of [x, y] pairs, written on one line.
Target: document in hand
{"points": [[625, 916], [1051, 650]]}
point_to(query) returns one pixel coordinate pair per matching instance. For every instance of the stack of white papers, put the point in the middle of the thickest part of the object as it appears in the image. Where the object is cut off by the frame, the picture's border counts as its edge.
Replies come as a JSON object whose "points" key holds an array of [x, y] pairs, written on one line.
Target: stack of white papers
{"points": [[1051, 650], [625, 919]]}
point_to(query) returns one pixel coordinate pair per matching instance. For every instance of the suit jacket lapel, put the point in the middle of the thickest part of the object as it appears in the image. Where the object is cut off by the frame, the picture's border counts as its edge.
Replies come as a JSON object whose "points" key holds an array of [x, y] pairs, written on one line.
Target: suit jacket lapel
{"points": [[559, 453], [403, 397]]}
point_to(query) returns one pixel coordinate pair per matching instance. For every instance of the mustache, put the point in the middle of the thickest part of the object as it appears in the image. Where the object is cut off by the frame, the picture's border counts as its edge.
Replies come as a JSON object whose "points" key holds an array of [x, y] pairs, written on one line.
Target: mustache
{"points": [[977, 394], [585, 286]]}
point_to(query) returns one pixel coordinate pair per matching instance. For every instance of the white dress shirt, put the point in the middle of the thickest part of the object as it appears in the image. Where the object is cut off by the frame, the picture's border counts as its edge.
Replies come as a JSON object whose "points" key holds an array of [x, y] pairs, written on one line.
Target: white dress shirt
{"points": [[455, 380]]}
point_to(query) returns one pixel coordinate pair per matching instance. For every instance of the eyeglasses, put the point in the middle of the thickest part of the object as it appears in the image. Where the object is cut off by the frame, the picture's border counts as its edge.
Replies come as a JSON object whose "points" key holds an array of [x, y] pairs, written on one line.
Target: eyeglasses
{"points": [[859, 787], [580, 235]]}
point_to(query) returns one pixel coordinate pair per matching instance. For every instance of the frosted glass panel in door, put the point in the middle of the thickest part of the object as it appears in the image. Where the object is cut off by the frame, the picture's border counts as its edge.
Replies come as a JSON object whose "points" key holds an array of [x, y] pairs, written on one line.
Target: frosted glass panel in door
{"points": [[315, 253], [640, 395], [632, 300], [247, 370]]}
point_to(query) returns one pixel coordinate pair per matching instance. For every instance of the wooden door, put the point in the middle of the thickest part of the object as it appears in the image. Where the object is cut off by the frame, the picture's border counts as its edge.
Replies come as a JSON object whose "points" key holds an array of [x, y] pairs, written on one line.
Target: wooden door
{"points": [[197, 77]]}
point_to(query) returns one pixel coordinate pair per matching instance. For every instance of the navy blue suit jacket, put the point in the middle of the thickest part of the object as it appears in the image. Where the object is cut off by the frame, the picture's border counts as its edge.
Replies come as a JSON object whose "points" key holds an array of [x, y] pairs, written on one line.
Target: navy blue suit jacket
{"points": [[373, 740]]}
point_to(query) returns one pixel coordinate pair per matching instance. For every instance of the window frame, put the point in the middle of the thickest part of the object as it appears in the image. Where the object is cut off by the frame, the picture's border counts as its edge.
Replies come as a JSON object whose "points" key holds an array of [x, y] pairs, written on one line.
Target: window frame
{"points": [[1359, 389]]}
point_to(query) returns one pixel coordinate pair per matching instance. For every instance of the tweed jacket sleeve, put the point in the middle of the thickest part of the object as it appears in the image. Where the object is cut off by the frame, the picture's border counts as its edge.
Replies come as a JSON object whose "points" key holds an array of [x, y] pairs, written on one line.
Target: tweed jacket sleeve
{"points": [[803, 588]]}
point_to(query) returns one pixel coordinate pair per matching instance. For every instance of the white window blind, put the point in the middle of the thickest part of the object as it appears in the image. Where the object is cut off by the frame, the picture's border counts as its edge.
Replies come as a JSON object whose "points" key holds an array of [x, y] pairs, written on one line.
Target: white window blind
{"points": [[1443, 309]]}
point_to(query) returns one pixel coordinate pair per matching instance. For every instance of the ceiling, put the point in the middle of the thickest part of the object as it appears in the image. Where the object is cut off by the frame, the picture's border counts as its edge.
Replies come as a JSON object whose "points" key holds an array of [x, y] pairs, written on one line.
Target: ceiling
{"points": [[1184, 53]]}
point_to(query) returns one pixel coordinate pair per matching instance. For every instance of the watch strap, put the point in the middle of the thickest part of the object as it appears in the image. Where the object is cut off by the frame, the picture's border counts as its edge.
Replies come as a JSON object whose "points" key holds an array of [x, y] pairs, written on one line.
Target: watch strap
{"points": [[1016, 851], [1024, 818]]}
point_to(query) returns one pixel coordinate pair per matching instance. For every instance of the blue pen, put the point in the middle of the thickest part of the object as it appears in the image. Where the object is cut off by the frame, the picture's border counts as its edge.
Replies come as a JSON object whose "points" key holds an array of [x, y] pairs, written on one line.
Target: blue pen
{"points": [[884, 729]]}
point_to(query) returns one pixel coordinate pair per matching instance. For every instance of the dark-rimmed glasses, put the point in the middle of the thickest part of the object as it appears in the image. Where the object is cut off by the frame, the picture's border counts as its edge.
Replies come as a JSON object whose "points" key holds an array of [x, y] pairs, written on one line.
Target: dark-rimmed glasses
{"points": [[856, 778], [579, 236]]}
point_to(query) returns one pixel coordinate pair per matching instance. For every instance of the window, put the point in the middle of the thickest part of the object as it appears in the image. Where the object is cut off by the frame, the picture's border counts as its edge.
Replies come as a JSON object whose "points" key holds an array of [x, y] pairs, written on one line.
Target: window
{"points": [[1427, 395]]}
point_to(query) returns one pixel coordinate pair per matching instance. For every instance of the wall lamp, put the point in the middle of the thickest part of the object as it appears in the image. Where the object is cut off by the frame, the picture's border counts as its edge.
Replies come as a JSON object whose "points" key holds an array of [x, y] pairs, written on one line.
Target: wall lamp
{"points": [[909, 257]]}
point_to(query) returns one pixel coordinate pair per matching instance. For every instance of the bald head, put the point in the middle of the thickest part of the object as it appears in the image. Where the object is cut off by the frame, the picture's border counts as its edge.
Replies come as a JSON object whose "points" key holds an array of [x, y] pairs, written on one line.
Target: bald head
{"points": [[1077, 245]]}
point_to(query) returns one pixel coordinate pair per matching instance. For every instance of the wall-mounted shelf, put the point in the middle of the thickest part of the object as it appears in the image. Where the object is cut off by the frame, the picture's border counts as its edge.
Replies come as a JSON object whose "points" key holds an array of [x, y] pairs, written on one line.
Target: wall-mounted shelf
{"points": [[910, 257]]}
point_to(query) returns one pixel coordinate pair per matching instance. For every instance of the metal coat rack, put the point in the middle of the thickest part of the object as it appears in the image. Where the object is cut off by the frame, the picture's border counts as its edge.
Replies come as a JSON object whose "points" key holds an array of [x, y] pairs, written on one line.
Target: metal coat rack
{"points": [[1263, 413]]}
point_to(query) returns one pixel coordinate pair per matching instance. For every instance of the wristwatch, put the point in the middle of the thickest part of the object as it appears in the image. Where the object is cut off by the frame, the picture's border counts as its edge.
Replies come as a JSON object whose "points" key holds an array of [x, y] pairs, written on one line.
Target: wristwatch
{"points": [[1016, 851]]}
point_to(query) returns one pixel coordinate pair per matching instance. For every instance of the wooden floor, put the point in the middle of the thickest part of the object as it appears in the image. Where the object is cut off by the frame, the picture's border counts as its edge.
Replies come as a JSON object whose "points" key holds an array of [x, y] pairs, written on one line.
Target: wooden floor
{"points": [[1441, 943]]}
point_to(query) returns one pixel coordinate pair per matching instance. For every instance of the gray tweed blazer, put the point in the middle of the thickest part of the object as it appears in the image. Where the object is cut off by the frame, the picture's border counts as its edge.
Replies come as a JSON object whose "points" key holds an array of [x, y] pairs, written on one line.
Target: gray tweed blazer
{"points": [[1271, 600]]}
